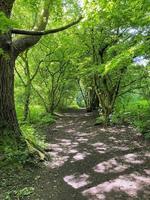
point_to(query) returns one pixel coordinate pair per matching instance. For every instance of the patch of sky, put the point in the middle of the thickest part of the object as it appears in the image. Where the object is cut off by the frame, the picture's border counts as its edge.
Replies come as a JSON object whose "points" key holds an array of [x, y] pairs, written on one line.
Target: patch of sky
{"points": [[140, 60]]}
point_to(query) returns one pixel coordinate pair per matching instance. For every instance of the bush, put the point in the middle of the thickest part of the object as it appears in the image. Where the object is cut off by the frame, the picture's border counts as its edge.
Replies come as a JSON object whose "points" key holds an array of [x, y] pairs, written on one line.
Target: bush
{"points": [[74, 105], [31, 136], [36, 111], [47, 119], [10, 151], [143, 127], [37, 115], [136, 113], [35, 141], [100, 120]]}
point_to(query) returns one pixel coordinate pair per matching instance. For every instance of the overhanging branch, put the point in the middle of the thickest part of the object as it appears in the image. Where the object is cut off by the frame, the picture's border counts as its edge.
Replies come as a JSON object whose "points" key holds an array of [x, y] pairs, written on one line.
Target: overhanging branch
{"points": [[40, 33]]}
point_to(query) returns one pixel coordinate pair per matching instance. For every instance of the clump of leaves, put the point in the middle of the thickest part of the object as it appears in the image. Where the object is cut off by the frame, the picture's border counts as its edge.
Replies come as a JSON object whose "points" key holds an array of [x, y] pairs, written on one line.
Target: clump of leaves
{"points": [[143, 127], [5, 22], [100, 120], [136, 113], [10, 150], [1, 51], [35, 141], [47, 119], [19, 194], [121, 118], [30, 134], [20, 155], [40, 119]]}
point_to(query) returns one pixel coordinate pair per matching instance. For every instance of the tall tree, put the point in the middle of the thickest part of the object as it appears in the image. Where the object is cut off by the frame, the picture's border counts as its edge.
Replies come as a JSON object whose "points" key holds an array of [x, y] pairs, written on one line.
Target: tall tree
{"points": [[111, 39], [10, 50]]}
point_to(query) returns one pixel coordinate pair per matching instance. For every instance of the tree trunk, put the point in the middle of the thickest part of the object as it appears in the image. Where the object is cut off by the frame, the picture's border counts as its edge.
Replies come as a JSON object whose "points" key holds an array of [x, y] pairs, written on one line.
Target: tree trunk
{"points": [[93, 101], [27, 101], [52, 106], [107, 112], [8, 118], [51, 110]]}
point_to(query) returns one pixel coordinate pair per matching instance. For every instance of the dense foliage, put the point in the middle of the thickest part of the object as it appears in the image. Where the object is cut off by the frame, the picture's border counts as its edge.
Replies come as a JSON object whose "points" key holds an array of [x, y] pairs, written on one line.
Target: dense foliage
{"points": [[68, 54], [102, 63]]}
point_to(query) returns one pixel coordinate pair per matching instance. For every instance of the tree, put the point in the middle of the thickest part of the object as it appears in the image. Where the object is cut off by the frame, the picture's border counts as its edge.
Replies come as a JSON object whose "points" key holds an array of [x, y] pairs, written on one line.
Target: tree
{"points": [[53, 76], [10, 50], [28, 78], [110, 42]]}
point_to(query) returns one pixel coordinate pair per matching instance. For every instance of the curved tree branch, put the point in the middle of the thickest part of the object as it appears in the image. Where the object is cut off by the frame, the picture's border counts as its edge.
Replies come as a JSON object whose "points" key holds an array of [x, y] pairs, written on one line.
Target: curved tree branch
{"points": [[27, 41], [41, 33]]}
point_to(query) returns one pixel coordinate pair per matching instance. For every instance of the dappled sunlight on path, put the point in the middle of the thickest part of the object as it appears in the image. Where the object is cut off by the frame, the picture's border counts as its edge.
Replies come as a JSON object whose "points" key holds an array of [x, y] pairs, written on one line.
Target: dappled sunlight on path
{"points": [[129, 184], [96, 163]]}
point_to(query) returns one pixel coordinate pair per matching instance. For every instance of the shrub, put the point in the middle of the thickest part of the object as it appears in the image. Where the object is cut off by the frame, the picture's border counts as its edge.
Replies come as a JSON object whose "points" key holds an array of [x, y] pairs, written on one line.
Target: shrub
{"points": [[47, 119], [36, 112], [35, 141], [10, 151], [136, 113], [30, 135], [100, 120], [19, 194]]}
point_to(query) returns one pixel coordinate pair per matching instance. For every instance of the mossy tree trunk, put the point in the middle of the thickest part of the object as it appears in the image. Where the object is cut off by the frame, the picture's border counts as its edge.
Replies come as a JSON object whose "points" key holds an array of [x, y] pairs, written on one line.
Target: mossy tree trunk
{"points": [[8, 118]]}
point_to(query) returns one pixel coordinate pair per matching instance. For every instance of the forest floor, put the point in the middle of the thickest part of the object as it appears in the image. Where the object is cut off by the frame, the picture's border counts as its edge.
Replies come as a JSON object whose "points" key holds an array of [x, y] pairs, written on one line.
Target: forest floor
{"points": [[89, 163]]}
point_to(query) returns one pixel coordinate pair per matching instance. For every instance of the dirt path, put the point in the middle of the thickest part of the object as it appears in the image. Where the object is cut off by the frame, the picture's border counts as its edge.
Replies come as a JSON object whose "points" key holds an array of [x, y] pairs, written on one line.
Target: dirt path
{"points": [[93, 163]]}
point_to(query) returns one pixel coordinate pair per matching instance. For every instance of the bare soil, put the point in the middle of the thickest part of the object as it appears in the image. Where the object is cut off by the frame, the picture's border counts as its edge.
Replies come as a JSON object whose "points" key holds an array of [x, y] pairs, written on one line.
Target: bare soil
{"points": [[91, 162]]}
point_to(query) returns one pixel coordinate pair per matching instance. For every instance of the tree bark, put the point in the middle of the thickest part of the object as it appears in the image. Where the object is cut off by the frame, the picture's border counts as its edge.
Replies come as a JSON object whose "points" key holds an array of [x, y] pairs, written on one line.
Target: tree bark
{"points": [[27, 101], [6, 6], [8, 118]]}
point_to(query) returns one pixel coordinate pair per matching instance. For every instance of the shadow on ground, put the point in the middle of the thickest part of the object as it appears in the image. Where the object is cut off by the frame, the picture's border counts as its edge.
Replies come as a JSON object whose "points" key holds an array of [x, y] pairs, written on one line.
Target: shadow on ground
{"points": [[94, 163]]}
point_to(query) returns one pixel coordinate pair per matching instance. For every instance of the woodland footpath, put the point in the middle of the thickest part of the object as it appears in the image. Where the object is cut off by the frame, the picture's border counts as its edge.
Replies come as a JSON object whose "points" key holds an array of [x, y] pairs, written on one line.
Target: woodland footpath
{"points": [[74, 99]]}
